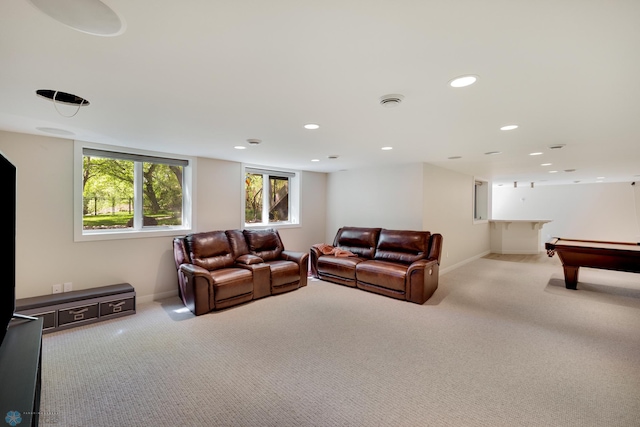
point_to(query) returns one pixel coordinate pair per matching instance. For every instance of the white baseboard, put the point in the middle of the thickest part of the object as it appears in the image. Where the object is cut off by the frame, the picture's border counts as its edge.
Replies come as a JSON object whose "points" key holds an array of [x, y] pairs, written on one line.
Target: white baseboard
{"points": [[156, 297], [461, 263]]}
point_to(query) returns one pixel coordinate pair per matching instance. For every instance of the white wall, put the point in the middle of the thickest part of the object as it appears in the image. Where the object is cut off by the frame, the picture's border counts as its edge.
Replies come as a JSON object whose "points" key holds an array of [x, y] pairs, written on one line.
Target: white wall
{"points": [[387, 197], [599, 211], [414, 197], [46, 253], [448, 210]]}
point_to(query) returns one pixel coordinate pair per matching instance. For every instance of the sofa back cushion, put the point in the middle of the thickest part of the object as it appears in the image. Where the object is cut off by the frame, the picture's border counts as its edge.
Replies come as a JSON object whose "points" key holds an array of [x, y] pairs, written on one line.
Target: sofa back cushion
{"points": [[358, 240], [264, 243], [210, 250], [402, 245], [238, 243]]}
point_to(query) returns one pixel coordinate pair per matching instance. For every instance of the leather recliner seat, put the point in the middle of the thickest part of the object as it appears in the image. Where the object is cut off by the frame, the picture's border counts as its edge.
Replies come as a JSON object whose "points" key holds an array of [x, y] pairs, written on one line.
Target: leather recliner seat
{"points": [[220, 269], [401, 264]]}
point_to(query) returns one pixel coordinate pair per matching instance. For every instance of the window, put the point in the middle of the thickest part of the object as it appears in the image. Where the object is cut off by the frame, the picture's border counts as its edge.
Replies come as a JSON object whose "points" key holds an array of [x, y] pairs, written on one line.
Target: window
{"points": [[270, 197], [480, 200], [124, 193]]}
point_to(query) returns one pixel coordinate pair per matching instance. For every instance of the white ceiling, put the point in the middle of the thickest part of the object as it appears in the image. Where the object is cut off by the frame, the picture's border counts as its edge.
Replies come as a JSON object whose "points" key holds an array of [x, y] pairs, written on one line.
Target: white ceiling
{"points": [[199, 77]]}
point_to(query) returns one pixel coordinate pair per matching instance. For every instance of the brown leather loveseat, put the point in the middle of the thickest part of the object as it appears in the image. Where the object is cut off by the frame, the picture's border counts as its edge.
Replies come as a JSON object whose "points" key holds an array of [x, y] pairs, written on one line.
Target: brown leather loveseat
{"points": [[400, 264], [220, 269]]}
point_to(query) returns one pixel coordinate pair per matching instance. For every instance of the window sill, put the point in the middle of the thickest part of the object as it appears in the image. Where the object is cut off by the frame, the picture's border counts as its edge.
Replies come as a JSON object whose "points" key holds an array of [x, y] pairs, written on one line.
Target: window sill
{"points": [[138, 234], [273, 225]]}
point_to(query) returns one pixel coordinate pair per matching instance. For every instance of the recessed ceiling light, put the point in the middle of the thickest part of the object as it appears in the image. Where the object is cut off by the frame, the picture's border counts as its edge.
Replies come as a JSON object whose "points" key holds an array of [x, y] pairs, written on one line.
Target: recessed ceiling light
{"points": [[600, 177], [240, 147], [87, 16], [386, 148], [545, 164], [509, 127], [535, 154], [492, 153], [315, 160], [553, 171], [463, 81], [311, 126]]}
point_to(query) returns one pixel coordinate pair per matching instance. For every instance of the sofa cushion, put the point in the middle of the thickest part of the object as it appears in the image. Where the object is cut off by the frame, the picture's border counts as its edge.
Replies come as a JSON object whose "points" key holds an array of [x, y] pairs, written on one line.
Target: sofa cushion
{"points": [[402, 246], [210, 250], [264, 243], [238, 243], [284, 272], [361, 241], [231, 282], [344, 267], [384, 274]]}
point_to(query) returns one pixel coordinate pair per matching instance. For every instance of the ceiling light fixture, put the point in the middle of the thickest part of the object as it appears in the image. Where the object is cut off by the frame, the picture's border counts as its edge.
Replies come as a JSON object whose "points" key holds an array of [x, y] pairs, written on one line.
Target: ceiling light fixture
{"points": [[463, 81], [535, 154], [58, 97], [315, 160], [509, 127], [545, 164], [391, 100], [240, 147], [311, 126], [87, 16], [386, 148]]}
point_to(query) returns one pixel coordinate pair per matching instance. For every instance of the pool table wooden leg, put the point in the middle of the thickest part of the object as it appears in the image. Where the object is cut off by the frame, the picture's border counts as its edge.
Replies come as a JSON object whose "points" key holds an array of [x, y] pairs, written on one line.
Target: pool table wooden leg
{"points": [[571, 276]]}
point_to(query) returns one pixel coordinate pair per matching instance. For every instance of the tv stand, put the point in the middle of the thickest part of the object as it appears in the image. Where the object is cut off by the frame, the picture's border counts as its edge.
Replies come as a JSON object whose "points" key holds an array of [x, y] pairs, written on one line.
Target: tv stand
{"points": [[20, 371]]}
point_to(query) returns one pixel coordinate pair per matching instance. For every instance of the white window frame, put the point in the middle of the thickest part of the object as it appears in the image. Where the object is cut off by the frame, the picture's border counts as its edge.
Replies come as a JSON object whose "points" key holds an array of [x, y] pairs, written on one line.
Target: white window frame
{"points": [[138, 231], [294, 197]]}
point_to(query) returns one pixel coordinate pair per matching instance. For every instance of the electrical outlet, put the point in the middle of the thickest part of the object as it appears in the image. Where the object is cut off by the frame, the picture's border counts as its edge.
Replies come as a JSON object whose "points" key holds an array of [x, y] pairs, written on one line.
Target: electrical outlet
{"points": [[56, 289], [68, 286]]}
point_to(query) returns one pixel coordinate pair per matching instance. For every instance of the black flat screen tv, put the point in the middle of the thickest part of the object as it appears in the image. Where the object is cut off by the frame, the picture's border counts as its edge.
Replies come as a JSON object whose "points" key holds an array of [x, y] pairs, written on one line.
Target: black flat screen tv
{"points": [[8, 242]]}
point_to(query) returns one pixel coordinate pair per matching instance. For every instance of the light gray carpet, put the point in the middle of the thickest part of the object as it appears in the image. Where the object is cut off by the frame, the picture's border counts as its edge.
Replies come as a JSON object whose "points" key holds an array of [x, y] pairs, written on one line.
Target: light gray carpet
{"points": [[499, 344]]}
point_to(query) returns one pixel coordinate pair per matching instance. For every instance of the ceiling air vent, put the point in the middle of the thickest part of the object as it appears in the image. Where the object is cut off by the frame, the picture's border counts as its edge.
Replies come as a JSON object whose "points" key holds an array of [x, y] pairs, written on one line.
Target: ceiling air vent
{"points": [[556, 146], [254, 141], [390, 101]]}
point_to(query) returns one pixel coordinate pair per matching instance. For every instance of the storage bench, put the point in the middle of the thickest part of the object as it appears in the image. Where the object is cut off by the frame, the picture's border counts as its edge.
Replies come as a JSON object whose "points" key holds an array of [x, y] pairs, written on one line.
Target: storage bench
{"points": [[76, 308]]}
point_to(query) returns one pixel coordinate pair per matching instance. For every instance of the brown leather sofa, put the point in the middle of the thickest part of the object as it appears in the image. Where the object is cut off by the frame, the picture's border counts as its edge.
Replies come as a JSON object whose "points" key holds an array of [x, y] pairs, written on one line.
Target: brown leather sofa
{"points": [[220, 269], [400, 264]]}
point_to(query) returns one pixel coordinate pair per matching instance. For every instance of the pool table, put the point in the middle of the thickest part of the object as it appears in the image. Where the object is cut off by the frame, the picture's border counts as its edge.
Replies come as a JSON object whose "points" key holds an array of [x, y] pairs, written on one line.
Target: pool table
{"points": [[595, 254]]}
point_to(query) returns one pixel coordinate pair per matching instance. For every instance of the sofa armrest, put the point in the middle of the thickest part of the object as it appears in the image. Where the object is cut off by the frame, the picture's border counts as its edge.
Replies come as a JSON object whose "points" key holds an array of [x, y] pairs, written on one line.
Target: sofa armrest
{"points": [[422, 280], [248, 259], [197, 293], [300, 258], [314, 254], [435, 248]]}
